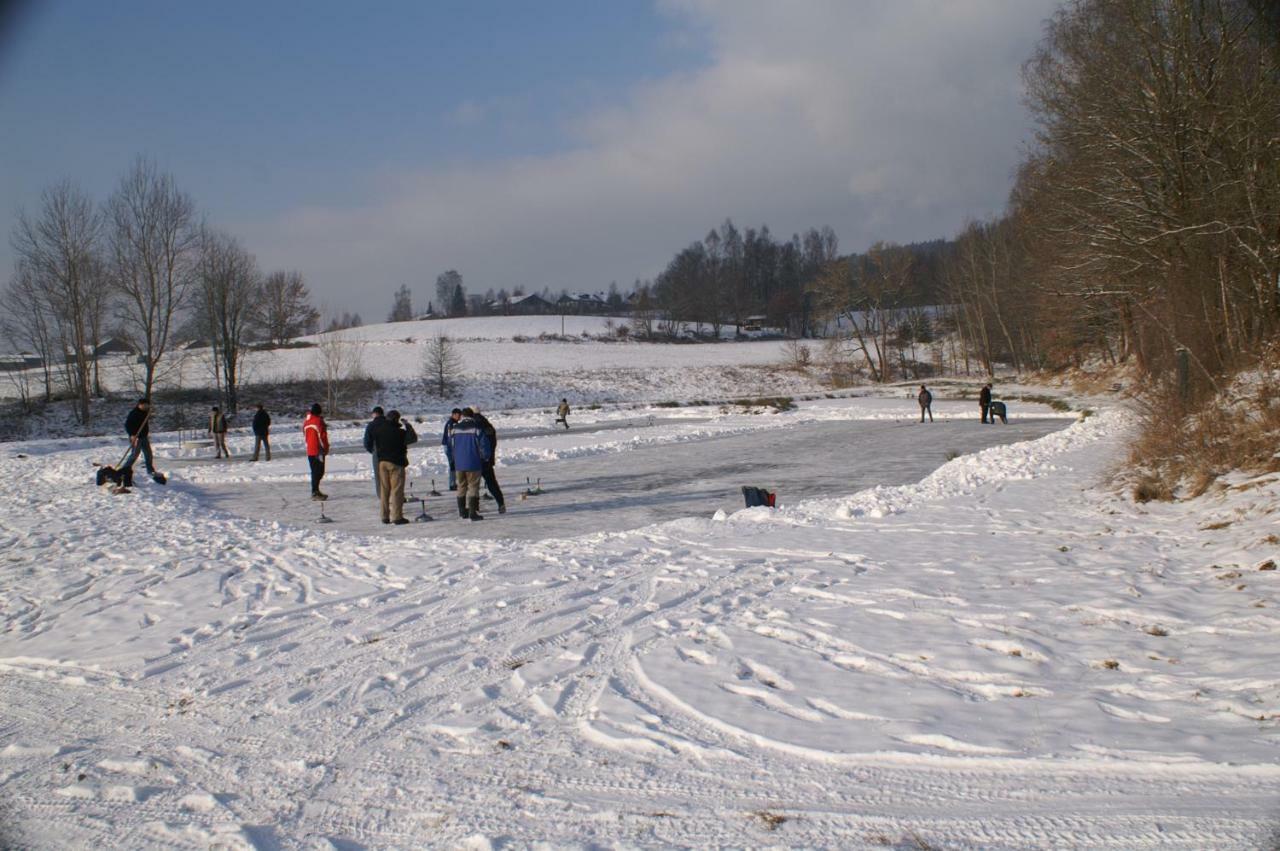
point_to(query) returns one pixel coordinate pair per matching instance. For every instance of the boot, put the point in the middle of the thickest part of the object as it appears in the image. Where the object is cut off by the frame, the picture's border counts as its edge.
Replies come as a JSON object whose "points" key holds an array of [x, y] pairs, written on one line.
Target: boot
{"points": [[473, 508], [462, 507]]}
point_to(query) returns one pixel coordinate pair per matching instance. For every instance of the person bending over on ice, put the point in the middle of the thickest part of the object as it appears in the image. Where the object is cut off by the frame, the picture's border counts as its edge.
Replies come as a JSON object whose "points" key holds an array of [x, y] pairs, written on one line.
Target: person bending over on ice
{"points": [[317, 437], [470, 448], [448, 446], [372, 449], [261, 432], [391, 441], [925, 398], [218, 428], [138, 426]]}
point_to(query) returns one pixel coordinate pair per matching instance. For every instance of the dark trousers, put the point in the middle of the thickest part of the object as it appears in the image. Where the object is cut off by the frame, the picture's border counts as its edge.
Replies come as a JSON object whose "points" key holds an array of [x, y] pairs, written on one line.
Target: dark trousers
{"points": [[377, 476], [259, 441], [984, 411], [929, 409], [143, 446], [491, 482], [453, 471], [316, 462]]}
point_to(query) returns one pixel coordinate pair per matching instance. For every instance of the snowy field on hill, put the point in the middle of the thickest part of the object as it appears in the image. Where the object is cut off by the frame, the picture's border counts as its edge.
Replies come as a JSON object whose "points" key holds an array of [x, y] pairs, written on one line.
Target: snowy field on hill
{"points": [[992, 651]]}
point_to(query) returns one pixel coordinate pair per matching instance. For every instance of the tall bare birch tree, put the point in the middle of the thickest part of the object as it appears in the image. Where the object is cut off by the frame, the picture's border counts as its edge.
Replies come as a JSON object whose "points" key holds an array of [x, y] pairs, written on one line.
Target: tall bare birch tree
{"points": [[154, 250]]}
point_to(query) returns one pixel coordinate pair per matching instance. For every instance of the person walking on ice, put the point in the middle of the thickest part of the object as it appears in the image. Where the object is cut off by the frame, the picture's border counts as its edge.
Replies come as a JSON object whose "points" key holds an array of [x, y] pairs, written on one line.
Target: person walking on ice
{"points": [[218, 428], [391, 439], [470, 448], [317, 437], [925, 398], [562, 413], [261, 432]]}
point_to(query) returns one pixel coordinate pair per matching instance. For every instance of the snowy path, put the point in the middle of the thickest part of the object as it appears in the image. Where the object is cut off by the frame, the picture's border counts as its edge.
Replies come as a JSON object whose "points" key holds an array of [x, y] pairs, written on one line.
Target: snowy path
{"points": [[997, 656]]}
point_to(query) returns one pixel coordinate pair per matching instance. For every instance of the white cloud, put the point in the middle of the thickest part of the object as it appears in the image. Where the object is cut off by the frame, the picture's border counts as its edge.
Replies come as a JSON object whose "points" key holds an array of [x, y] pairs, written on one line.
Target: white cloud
{"points": [[887, 120]]}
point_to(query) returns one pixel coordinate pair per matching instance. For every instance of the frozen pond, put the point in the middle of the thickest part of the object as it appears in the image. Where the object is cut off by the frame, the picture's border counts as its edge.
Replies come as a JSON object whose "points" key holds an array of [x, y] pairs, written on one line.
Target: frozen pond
{"points": [[638, 486]]}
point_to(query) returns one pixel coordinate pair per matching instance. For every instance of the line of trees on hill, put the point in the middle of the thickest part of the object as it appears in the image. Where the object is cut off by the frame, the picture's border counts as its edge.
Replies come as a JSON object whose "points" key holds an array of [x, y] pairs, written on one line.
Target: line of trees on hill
{"points": [[144, 268]]}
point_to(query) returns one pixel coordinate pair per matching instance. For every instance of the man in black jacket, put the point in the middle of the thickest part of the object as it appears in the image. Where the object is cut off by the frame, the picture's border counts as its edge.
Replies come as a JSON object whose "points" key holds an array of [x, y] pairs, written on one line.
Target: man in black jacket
{"points": [[138, 427], [984, 401], [369, 431], [391, 439], [261, 430], [490, 480]]}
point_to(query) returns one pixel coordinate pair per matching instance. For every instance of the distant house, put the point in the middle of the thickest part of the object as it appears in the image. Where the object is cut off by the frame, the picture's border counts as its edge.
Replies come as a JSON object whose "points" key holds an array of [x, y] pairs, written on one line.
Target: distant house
{"points": [[581, 303], [20, 361], [114, 346], [524, 305]]}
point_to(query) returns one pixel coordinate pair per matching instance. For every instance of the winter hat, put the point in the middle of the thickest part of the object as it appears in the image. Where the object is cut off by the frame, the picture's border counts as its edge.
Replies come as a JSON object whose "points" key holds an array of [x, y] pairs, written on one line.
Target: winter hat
{"points": [[466, 412], [315, 409], [456, 411], [377, 409], [394, 416]]}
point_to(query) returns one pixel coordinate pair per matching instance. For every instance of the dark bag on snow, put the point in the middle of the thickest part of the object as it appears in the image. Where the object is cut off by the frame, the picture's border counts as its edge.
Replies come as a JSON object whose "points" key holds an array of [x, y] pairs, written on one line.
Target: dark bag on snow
{"points": [[120, 478], [757, 497]]}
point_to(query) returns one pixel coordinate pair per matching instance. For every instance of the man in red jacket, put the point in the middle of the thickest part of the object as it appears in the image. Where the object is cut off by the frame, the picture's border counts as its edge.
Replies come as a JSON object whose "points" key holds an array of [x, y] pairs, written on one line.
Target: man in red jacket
{"points": [[317, 437]]}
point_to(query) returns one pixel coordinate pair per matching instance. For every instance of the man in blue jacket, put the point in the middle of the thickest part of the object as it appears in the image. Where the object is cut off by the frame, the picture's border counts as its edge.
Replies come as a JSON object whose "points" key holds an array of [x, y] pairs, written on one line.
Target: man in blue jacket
{"points": [[470, 448], [372, 448], [448, 446]]}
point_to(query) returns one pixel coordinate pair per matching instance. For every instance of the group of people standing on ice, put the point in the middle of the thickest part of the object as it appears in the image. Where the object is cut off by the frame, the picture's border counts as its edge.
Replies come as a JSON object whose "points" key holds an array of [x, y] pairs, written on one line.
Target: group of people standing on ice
{"points": [[471, 444]]}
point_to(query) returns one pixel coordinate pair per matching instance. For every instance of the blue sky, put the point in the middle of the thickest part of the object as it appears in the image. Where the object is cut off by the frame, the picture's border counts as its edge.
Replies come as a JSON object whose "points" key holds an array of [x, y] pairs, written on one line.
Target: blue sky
{"points": [[562, 144]]}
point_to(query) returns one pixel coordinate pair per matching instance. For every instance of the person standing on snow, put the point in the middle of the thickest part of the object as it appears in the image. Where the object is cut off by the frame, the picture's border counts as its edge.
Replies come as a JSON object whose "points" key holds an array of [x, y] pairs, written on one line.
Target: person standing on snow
{"points": [[454, 416], [470, 448], [218, 428], [984, 401], [369, 446], [261, 430], [391, 441], [925, 398], [562, 413], [490, 479], [316, 435], [138, 426]]}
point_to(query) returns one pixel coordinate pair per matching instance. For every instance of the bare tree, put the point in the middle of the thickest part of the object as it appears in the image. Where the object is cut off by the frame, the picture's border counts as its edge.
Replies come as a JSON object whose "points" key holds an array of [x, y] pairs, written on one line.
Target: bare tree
{"points": [[286, 308], [154, 245], [59, 249], [340, 361], [401, 305], [27, 326], [446, 284], [441, 365], [227, 285]]}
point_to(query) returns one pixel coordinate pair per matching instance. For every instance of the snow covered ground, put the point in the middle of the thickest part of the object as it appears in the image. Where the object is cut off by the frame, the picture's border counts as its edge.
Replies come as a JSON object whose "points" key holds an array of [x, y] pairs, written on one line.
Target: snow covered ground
{"points": [[994, 651]]}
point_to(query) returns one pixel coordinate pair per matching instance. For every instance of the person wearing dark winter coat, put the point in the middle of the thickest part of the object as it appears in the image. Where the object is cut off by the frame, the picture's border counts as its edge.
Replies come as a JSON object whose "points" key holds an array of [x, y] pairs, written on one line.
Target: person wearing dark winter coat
{"points": [[490, 479], [218, 428], [470, 448], [138, 426], [391, 441], [261, 432], [372, 449], [316, 434], [925, 398], [448, 447], [984, 401]]}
